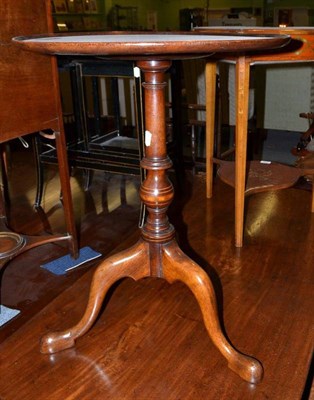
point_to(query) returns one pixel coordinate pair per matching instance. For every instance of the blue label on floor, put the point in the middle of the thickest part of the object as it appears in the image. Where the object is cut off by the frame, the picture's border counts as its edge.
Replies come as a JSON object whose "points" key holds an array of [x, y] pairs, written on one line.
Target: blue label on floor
{"points": [[62, 265], [6, 314]]}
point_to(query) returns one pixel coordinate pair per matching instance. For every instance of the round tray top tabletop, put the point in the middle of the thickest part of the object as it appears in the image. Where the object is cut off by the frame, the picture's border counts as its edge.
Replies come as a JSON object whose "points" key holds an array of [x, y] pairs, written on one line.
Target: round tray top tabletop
{"points": [[148, 44]]}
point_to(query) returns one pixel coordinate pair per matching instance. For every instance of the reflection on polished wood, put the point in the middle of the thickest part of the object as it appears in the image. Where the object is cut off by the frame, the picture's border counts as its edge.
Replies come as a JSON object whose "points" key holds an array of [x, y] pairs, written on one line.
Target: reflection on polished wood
{"points": [[149, 341]]}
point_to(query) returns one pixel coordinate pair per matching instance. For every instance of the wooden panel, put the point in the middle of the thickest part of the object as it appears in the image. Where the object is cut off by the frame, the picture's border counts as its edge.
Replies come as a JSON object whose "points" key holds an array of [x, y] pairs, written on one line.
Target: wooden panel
{"points": [[27, 101]]}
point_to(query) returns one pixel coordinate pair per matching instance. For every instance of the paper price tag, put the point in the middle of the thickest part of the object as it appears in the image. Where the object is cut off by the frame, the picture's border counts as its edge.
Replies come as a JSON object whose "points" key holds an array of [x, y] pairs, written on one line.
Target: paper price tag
{"points": [[148, 138]]}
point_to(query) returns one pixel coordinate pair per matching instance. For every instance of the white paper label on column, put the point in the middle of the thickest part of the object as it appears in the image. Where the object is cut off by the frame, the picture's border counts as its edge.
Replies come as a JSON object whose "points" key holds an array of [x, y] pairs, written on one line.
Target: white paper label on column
{"points": [[136, 72], [148, 138]]}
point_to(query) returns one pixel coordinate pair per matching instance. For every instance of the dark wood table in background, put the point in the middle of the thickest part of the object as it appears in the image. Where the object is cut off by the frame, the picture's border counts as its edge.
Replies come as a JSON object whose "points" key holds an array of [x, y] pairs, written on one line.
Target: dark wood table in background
{"points": [[156, 254]]}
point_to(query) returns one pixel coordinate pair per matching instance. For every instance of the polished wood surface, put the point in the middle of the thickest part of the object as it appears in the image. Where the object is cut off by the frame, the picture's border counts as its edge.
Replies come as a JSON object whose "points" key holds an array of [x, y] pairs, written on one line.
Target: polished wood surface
{"points": [[156, 254], [300, 49], [162, 45], [149, 341], [30, 102]]}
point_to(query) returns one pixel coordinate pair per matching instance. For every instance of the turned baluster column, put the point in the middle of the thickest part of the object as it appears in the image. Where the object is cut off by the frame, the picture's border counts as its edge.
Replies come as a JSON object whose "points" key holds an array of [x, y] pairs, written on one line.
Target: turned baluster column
{"points": [[156, 191]]}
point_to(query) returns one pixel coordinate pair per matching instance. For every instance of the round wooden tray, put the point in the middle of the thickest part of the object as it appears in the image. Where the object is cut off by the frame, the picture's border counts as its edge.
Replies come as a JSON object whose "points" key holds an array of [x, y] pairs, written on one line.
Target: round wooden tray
{"points": [[148, 45], [261, 176]]}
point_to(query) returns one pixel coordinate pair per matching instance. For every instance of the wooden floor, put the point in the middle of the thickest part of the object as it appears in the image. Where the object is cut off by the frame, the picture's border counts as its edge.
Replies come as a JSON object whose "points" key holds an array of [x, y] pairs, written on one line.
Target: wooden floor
{"points": [[150, 342]]}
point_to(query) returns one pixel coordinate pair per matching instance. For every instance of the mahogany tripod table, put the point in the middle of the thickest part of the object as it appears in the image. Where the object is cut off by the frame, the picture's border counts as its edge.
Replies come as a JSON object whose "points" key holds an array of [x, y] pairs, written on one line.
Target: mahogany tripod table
{"points": [[157, 253]]}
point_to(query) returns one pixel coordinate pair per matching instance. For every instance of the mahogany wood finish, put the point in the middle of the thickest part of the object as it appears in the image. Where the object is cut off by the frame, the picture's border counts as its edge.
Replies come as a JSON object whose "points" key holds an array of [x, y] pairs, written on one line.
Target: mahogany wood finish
{"points": [[149, 341], [300, 49], [159, 45], [156, 254], [29, 102]]}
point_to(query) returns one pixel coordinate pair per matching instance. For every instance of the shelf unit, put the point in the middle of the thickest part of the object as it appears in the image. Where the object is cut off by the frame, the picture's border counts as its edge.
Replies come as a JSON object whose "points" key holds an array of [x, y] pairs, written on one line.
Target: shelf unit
{"points": [[78, 15], [123, 18]]}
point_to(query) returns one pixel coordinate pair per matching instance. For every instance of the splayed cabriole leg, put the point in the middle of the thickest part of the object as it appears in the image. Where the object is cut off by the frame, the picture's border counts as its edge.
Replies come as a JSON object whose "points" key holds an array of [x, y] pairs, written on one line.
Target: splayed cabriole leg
{"points": [[179, 267], [131, 263]]}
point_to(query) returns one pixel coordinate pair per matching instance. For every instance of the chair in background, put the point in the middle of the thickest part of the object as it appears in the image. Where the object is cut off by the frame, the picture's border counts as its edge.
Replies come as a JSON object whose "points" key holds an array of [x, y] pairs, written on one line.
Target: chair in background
{"points": [[98, 141]]}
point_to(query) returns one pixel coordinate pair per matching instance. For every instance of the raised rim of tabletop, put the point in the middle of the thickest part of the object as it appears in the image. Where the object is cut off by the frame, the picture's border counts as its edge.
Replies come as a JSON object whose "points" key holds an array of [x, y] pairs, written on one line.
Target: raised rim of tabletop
{"points": [[126, 44]]}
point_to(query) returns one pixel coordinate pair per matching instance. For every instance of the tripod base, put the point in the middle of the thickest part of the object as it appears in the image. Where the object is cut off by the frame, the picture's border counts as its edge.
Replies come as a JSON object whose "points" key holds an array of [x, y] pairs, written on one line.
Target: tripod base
{"points": [[167, 261]]}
